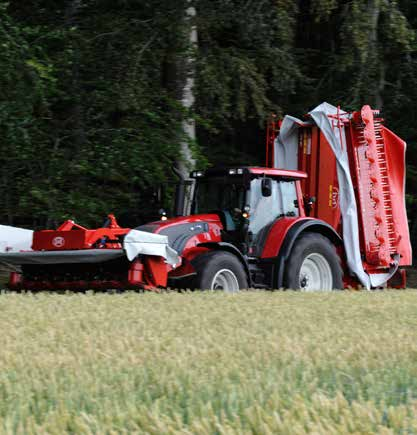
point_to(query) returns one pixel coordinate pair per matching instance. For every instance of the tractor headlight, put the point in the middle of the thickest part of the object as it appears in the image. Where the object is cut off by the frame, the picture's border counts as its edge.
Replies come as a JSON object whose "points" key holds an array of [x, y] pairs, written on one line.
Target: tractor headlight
{"points": [[246, 212], [236, 171], [163, 214], [196, 174]]}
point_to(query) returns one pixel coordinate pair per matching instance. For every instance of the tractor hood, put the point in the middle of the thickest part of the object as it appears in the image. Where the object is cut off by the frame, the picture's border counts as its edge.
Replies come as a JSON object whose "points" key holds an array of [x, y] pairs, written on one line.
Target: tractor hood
{"points": [[180, 230], [169, 238]]}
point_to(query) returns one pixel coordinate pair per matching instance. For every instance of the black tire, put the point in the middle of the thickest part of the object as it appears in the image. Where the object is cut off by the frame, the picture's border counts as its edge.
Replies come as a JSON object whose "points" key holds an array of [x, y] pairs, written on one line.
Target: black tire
{"points": [[312, 251], [208, 266]]}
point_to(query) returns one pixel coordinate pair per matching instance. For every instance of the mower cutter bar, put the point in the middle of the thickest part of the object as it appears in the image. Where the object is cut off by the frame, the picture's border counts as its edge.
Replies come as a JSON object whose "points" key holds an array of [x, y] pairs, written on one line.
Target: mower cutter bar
{"points": [[60, 257]]}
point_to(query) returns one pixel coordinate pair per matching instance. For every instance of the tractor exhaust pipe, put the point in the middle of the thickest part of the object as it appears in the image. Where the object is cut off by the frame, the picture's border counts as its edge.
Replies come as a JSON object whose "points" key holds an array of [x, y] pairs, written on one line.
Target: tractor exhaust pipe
{"points": [[179, 193]]}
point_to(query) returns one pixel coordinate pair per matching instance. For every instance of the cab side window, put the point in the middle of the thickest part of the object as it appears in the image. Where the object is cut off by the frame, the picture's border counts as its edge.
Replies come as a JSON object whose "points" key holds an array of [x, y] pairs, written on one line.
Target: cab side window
{"points": [[288, 196], [264, 210]]}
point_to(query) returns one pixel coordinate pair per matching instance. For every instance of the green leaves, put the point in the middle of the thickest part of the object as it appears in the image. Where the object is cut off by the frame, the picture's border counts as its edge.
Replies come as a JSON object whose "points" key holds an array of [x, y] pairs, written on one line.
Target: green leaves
{"points": [[321, 10], [90, 119]]}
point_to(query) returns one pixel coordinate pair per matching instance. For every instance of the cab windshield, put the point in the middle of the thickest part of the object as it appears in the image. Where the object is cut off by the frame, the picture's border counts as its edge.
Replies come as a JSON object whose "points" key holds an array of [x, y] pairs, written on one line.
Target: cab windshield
{"points": [[219, 194]]}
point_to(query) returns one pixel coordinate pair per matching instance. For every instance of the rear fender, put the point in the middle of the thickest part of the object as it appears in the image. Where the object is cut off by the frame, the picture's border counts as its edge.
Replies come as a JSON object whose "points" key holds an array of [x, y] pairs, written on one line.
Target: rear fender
{"points": [[283, 236]]}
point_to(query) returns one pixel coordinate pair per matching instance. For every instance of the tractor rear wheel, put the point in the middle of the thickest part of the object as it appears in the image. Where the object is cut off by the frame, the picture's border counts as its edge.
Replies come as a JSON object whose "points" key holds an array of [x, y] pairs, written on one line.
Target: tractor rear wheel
{"points": [[313, 265], [219, 270]]}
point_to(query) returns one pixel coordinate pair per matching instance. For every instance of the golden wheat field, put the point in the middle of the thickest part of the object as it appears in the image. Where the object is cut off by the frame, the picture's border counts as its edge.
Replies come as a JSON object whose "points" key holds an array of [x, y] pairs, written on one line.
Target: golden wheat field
{"points": [[209, 363]]}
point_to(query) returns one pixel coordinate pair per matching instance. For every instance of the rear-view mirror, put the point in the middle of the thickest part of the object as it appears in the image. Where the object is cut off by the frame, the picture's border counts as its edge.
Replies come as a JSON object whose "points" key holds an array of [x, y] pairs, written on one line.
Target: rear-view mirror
{"points": [[266, 187]]}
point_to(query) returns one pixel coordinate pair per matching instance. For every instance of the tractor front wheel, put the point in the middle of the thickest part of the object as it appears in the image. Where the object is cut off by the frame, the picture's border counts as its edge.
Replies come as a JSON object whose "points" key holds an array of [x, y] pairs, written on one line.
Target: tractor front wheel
{"points": [[313, 265], [218, 270]]}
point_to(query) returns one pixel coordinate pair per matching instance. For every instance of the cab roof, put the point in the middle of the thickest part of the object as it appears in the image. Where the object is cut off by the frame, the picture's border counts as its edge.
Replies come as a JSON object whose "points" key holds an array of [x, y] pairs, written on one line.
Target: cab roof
{"points": [[248, 170], [275, 172]]}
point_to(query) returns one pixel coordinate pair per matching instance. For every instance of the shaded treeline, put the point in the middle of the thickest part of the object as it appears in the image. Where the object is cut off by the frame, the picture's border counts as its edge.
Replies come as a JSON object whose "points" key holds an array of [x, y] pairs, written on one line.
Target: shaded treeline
{"points": [[90, 115]]}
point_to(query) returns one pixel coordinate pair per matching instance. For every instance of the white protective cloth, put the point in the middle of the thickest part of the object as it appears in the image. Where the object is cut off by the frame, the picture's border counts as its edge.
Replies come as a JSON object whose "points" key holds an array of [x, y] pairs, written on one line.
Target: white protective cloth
{"points": [[13, 239], [140, 242], [286, 144], [286, 149]]}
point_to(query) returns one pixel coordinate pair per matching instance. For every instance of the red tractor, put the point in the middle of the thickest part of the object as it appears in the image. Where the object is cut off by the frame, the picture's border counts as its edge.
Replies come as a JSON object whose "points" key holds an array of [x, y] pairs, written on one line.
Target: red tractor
{"points": [[326, 213]]}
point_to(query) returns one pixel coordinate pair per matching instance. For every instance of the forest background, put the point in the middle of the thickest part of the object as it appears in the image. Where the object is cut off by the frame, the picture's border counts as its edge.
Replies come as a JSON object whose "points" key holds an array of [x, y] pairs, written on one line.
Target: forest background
{"points": [[91, 118]]}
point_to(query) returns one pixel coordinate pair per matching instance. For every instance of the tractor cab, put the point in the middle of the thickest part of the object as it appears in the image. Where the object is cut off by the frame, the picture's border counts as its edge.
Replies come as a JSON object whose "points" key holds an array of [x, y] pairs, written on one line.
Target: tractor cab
{"points": [[248, 201]]}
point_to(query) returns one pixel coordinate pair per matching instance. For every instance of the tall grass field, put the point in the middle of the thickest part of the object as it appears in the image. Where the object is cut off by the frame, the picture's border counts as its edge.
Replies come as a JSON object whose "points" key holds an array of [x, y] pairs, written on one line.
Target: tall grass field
{"points": [[209, 363]]}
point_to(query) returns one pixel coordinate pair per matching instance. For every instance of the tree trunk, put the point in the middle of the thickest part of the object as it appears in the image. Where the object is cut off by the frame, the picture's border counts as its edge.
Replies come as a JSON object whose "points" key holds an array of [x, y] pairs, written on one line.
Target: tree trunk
{"points": [[186, 65], [373, 52]]}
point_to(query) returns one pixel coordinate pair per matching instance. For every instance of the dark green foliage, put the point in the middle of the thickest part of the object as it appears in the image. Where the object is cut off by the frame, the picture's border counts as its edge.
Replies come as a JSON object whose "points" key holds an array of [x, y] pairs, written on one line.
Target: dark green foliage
{"points": [[247, 69], [88, 127], [90, 113]]}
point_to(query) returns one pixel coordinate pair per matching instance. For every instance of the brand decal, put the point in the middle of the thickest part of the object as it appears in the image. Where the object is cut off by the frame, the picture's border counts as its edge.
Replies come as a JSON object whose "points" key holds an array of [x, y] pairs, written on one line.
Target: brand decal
{"points": [[333, 196], [58, 242]]}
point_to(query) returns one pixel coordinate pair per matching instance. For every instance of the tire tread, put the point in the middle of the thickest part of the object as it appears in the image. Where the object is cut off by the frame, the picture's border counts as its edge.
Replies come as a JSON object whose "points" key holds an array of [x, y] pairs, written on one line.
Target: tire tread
{"points": [[205, 266], [307, 241]]}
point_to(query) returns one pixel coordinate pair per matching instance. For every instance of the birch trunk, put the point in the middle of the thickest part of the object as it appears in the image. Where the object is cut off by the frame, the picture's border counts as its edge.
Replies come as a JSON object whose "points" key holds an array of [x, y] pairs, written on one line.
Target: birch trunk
{"points": [[187, 162], [374, 9]]}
